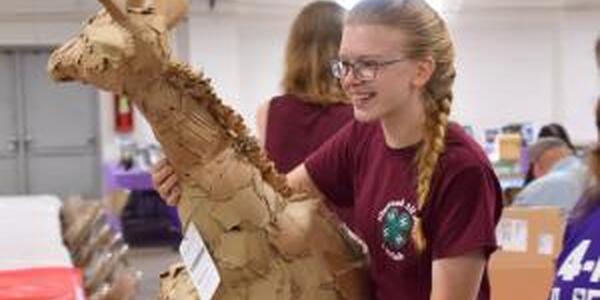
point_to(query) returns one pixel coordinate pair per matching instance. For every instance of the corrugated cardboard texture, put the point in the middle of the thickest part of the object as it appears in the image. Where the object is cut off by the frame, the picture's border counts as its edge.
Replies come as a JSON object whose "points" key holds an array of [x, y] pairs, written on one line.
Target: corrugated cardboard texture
{"points": [[526, 272], [268, 243]]}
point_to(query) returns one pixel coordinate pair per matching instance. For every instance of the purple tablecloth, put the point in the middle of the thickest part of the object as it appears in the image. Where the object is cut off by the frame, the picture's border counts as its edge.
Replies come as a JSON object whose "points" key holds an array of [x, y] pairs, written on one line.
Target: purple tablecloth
{"points": [[134, 179], [115, 177]]}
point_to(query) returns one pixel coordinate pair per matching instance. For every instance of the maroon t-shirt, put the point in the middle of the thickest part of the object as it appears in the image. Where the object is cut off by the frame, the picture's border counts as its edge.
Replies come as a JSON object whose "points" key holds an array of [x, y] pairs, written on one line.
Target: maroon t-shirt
{"points": [[295, 128], [461, 214]]}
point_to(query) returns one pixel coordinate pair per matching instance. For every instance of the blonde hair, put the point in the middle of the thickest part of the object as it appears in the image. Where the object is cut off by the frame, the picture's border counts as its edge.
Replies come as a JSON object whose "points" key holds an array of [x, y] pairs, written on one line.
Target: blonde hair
{"points": [[427, 36], [313, 42]]}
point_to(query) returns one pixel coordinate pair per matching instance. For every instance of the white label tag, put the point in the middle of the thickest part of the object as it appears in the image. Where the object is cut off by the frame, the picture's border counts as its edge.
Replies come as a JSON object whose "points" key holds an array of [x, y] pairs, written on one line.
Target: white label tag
{"points": [[545, 244], [512, 235], [199, 264]]}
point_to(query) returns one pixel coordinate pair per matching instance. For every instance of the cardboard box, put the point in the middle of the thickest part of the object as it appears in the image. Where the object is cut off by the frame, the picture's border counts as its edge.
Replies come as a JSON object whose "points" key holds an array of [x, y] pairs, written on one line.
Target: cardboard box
{"points": [[509, 146], [530, 240]]}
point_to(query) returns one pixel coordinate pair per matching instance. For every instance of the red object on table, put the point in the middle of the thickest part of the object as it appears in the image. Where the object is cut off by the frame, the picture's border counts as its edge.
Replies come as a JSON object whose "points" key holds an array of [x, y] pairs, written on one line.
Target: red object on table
{"points": [[123, 115], [41, 284]]}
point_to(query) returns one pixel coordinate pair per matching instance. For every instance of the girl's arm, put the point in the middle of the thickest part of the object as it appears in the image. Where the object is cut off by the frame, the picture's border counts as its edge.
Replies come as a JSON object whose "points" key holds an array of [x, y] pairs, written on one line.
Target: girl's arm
{"points": [[458, 278], [300, 180]]}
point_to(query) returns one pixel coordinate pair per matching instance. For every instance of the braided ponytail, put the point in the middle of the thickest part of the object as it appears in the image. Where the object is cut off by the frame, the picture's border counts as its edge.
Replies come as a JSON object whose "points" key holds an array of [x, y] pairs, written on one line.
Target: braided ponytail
{"points": [[436, 123]]}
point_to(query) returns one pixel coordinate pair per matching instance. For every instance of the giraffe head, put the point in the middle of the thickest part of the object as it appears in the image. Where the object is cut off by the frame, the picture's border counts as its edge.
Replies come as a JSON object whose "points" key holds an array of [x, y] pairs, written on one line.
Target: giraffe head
{"points": [[123, 47]]}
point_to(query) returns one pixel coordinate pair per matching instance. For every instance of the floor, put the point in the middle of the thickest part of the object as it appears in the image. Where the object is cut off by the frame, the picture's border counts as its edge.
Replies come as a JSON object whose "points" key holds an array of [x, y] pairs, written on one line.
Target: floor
{"points": [[152, 262]]}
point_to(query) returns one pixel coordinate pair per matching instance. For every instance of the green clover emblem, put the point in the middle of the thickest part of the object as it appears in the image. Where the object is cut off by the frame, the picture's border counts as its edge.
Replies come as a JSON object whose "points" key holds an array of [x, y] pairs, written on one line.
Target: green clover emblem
{"points": [[397, 226]]}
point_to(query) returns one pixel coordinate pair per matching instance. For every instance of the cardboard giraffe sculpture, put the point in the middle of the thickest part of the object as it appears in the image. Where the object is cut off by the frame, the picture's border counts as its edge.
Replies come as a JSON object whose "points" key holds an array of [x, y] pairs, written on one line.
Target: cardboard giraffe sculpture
{"points": [[267, 242]]}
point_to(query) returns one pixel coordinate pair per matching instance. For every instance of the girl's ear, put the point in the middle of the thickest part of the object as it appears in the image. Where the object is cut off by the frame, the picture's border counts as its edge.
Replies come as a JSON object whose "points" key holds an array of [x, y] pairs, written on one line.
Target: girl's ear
{"points": [[425, 69]]}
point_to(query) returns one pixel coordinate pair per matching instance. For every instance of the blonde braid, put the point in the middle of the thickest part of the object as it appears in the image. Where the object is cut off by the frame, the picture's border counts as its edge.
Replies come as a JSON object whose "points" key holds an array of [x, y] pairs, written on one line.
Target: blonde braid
{"points": [[437, 101], [427, 159]]}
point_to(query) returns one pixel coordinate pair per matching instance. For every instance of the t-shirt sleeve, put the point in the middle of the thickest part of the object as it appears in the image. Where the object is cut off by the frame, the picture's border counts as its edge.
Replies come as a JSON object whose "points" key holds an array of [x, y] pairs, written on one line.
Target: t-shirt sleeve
{"points": [[331, 167], [467, 213]]}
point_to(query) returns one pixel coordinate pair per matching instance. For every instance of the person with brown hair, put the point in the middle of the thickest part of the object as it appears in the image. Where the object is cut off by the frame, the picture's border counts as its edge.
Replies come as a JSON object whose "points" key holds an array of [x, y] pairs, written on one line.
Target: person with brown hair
{"points": [[578, 265], [425, 198], [313, 106], [581, 243]]}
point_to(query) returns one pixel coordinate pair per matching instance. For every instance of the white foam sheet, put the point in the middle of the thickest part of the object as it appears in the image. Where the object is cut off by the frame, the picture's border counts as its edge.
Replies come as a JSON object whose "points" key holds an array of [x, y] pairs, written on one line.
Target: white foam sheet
{"points": [[30, 233]]}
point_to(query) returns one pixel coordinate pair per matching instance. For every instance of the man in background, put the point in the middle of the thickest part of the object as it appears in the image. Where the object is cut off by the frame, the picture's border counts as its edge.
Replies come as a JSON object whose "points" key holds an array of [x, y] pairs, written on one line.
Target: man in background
{"points": [[559, 176]]}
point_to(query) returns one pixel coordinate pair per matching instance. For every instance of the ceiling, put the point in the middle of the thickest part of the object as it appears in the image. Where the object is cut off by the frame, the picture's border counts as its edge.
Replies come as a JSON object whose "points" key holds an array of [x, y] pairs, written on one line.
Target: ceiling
{"points": [[567, 4], [453, 5], [57, 6]]}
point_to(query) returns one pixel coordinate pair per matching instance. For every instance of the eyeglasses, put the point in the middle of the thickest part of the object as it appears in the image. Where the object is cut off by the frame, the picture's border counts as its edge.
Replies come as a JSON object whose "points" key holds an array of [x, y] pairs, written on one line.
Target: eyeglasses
{"points": [[362, 69]]}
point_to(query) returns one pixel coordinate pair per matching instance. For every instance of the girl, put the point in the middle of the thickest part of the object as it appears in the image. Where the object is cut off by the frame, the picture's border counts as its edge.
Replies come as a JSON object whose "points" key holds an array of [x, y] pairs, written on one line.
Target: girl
{"points": [[425, 198], [313, 107]]}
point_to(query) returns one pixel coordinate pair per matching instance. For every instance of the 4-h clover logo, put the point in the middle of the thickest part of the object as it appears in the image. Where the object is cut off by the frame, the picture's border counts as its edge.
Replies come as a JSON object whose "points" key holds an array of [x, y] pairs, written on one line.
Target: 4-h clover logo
{"points": [[396, 227]]}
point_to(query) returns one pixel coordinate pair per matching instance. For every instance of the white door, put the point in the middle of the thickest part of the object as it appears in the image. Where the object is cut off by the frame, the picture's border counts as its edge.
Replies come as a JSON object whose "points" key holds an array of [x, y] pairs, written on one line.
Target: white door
{"points": [[10, 155], [57, 131]]}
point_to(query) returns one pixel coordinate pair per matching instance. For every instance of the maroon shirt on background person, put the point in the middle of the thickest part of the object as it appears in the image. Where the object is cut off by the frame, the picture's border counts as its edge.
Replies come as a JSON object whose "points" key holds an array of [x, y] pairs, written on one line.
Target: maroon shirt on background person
{"points": [[295, 128], [461, 215]]}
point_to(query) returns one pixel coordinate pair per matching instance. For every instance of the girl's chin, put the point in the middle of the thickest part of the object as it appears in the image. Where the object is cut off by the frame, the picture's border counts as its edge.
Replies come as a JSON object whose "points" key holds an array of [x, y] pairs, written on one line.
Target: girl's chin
{"points": [[363, 115]]}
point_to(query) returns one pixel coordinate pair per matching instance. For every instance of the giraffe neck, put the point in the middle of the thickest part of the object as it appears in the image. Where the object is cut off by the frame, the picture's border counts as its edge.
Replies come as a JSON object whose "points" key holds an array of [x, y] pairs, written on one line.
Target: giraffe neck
{"points": [[194, 126]]}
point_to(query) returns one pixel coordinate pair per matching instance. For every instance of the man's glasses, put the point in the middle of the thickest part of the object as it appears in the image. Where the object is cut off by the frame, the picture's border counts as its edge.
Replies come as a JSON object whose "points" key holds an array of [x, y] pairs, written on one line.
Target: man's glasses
{"points": [[362, 69]]}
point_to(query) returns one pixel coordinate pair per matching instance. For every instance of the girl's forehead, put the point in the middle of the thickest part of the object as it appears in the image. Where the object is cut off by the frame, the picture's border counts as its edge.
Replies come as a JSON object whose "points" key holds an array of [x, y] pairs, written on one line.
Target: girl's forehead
{"points": [[366, 39]]}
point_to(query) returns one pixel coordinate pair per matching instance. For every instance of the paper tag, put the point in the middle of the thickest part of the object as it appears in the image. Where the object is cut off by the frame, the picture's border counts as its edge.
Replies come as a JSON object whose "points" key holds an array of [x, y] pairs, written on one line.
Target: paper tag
{"points": [[545, 244], [199, 264], [512, 235]]}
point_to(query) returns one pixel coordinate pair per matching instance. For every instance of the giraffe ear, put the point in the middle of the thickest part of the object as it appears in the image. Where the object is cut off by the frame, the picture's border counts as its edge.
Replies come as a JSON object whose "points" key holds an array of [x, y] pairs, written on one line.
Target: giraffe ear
{"points": [[172, 10], [117, 9]]}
